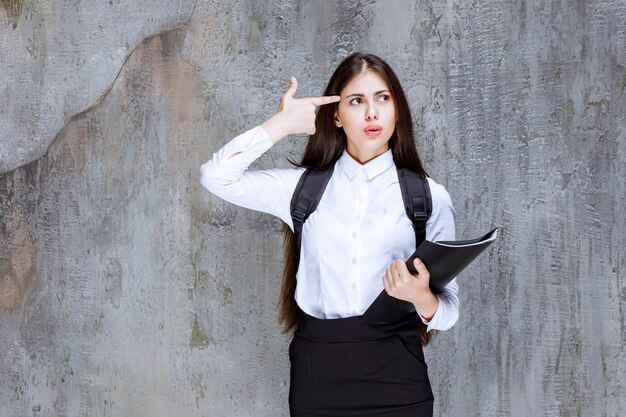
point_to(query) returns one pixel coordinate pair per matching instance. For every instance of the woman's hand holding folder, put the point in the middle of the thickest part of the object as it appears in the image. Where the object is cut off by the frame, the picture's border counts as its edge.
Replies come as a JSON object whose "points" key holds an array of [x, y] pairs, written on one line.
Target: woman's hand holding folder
{"points": [[439, 262], [401, 284]]}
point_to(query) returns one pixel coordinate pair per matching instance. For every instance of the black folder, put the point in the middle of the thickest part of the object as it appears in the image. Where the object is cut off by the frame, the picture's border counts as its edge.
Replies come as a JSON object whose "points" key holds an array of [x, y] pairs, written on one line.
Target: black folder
{"points": [[444, 260]]}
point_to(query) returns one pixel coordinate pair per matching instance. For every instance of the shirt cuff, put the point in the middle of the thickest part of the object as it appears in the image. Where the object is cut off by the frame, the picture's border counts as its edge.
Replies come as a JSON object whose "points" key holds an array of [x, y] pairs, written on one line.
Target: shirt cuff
{"points": [[432, 323], [255, 141]]}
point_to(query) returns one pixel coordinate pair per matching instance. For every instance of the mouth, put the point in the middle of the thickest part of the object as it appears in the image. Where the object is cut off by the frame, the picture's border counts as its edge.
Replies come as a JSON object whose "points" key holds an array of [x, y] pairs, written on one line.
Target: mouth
{"points": [[373, 130]]}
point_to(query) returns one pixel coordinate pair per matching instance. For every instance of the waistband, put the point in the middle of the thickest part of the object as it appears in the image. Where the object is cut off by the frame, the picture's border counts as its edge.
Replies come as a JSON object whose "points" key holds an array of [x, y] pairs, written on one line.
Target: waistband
{"points": [[351, 329]]}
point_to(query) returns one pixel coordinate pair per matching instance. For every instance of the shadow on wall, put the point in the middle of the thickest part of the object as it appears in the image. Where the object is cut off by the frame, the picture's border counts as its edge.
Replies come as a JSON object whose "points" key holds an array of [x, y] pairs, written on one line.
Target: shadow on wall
{"points": [[17, 255]]}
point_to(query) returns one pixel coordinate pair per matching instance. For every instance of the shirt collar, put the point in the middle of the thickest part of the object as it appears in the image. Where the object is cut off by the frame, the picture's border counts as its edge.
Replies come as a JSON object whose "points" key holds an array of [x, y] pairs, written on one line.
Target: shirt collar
{"points": [[372, 168]]}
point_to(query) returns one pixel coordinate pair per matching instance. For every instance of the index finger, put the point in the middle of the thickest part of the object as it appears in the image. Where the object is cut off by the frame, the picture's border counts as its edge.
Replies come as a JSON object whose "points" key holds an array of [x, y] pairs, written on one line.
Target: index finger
{"points": [[320, 101], [400, 265]]}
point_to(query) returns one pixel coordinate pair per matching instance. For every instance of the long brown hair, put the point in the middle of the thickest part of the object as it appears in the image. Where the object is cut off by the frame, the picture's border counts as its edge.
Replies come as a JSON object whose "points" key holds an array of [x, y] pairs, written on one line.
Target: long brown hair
{"points": [[325, 147]]}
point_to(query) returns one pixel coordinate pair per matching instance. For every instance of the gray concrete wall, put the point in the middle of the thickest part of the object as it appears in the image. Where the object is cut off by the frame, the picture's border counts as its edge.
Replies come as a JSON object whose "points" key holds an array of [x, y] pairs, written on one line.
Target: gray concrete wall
{"points": [[60, 58], [126, 289]]}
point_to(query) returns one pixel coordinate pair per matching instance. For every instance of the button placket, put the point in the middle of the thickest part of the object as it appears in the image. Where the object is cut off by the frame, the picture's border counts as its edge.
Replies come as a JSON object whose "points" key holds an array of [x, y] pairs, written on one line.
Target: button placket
{"points": [[356, 241]]}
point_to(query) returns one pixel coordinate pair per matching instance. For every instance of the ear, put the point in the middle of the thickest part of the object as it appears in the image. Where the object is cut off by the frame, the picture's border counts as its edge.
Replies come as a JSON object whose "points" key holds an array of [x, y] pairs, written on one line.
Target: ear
{"points": [[337, 121]]}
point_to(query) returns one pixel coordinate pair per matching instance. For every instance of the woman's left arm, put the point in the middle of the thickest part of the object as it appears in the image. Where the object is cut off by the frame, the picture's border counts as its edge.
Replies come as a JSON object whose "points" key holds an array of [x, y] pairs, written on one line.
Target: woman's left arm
{"points": [[438, 311]]}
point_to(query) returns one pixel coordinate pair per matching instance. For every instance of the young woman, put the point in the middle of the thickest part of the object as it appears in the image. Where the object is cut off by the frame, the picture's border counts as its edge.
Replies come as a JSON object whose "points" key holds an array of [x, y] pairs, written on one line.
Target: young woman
{"points": [[353, 245]]}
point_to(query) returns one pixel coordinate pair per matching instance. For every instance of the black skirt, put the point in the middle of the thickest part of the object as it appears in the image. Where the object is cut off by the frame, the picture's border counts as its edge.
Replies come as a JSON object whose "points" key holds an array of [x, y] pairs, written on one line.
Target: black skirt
{"points": [[349, 367]]}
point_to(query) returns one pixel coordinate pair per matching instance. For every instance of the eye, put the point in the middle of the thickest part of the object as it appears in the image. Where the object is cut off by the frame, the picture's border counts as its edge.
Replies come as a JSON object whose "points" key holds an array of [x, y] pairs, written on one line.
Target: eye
{"points": [[355, 100], [384, 97]]}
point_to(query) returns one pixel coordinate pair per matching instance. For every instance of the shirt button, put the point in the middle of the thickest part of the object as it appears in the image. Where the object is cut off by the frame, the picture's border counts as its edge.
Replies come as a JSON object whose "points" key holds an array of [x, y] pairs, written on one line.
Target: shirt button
{"points": [[353, 234], [357, 217], [353, 286], [353, 260], [354, 312]]}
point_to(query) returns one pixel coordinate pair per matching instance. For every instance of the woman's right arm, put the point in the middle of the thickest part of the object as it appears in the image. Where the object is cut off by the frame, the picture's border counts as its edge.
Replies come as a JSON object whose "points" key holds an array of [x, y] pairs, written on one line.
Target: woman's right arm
{"points": [[226, 173]]}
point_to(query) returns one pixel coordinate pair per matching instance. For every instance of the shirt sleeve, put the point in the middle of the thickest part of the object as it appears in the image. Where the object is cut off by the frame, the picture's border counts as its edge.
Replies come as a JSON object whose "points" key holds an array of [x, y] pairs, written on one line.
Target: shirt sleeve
{"points": [[441, 226], [226, 175]]}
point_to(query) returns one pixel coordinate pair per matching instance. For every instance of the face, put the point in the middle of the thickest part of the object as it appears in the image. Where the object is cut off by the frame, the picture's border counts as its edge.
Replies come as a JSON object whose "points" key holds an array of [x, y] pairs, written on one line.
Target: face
{"points": [[367, 115]]}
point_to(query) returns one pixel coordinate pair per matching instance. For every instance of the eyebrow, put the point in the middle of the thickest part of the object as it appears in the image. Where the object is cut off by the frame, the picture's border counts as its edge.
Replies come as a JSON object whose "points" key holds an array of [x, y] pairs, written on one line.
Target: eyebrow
{"points": [[363, 95]]}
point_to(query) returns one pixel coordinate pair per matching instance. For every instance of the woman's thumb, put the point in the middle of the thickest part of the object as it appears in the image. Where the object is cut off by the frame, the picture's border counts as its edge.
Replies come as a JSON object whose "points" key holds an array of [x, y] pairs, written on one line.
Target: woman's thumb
{"points": [[293, 85]]}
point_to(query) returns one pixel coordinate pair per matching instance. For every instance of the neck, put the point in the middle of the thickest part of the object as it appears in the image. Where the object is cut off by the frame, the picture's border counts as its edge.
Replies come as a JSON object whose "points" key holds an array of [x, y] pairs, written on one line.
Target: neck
{"points": [[363, 156]]}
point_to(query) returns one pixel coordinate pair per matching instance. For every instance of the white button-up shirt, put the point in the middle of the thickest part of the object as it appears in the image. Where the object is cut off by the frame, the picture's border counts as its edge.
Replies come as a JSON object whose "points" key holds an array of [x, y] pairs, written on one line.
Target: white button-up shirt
{"points": [[359, 227]]}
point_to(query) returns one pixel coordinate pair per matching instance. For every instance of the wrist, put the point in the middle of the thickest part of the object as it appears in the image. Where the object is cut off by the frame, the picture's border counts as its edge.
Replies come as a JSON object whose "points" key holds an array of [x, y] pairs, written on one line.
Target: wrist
{"points": [[426, 303], [276, 127]]}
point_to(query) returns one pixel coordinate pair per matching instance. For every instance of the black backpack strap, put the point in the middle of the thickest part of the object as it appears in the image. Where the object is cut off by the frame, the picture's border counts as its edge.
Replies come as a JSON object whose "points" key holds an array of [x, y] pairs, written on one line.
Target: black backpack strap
{"points": [[307, 196], [417, 201]]}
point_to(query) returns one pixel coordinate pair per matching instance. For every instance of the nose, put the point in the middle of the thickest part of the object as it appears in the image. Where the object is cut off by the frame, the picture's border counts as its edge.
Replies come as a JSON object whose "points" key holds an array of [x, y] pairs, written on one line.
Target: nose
{"points": [[371, 113]]}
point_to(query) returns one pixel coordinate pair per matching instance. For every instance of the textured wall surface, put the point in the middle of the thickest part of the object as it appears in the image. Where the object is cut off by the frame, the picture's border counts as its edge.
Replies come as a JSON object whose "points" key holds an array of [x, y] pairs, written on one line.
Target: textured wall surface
{"points": [[126, 289], [60, 57]]}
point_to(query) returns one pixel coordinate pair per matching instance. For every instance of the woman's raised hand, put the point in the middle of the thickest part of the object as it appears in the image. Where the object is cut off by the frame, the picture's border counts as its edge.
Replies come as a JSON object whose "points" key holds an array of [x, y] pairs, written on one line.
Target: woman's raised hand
{"points": [[295, 115]]}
